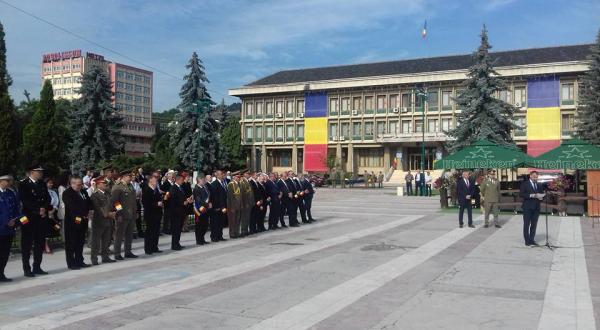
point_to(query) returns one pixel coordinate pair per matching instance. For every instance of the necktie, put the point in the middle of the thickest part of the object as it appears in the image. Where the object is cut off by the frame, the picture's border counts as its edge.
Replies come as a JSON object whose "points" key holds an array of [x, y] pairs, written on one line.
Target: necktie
{"points": [[467, 183]]}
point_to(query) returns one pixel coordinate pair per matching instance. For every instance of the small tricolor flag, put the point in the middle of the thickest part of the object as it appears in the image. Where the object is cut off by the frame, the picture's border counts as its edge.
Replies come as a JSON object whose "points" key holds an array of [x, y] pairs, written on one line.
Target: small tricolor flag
{"points": [[118, 206], [24, 220], [424, 32], [77, 220]]}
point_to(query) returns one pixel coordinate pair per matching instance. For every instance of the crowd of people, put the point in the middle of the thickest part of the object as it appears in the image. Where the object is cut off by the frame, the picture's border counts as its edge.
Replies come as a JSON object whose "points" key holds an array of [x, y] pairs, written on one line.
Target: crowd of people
{"points": [[113, 206]]}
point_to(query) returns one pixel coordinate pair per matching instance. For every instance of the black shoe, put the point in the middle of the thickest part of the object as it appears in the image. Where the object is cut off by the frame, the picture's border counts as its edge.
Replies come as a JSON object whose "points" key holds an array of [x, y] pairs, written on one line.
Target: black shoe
{"points": [[305, 221], [460, 226], [471, 226], [130, 255], [498, 226], [148, 253], [84, 265], [28, 273], [40, 271], [214, 240], [74, 267], [4, 279], [486, 226], [527, 244], [534, 243], [284, 226], [177, 248], [222, 239], [201, 243], [109, 261], [119, 257], [95, 262], [157, 251]]}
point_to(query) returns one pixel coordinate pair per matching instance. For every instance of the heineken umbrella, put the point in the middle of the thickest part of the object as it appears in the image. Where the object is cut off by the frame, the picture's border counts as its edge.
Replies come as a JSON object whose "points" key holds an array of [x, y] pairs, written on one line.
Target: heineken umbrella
{"points": [[572, 154], [484, 154]]}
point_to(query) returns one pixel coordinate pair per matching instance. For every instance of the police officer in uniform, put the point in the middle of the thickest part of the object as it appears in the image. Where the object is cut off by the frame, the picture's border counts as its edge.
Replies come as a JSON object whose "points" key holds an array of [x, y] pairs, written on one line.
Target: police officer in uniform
{"points": [[9, 217], [77, 209], [102, 223], [36, 203]]}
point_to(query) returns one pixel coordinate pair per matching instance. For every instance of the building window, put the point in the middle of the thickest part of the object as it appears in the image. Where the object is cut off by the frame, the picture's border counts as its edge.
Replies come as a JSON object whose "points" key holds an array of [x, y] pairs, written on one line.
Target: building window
{"points": [[381, 104], [433, 125], [269, 133], [568, 124], [418, 126], [447, 100], [259, 109], [345, 131], [432, 101], [334, 107], [356, 131], [259, 134], [380, 128], [138, 88], [407, 101], [300, 132], [269, 109], [567, 94], [279, 108], [282, 158], [279, 133], [333, 131], [289, 109], [407, 126], [356, 104], [249, 131], [393, 127], [129, 76], [394, 101], [505, 95], [249, 110], [289, 132], [520, 97], [371, 157], [369, 104], [345, 105], [368, 130], [300, 107], [521, 123], [446, 124]]}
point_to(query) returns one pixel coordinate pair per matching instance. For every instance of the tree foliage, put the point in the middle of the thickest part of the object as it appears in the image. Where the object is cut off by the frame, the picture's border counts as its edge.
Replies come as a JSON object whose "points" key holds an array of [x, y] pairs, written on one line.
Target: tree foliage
{"points": [[194, 88], [234, 157], [588, 112], [483, 116], [95, 125], [45, 137], [9, 137]]}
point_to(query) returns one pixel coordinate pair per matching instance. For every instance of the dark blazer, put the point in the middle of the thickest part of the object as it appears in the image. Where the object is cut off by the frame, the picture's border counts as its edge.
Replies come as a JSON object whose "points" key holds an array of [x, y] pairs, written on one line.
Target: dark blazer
{"points": [[76, 206], [176, 200], [150, 199], [306, 185], [284, 188], [462, 191], [33, 197], [259, 193], [201, 196], [530, 203], [272, 189], [166, 187], [219, 195], [292, 186]]}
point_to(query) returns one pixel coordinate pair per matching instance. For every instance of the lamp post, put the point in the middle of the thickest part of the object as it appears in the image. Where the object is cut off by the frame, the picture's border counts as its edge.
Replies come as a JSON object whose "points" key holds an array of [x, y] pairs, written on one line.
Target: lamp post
{"points": [[422, 93]]}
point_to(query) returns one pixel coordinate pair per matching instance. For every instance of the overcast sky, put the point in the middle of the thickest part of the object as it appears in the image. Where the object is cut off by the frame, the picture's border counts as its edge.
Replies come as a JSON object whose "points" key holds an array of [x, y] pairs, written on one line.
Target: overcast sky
{"points": [[241, 41]]}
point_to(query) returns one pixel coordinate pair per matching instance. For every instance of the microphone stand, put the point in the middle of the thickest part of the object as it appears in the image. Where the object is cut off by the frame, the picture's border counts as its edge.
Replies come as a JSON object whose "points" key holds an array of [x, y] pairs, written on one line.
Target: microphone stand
{"points": [[548, 245]]}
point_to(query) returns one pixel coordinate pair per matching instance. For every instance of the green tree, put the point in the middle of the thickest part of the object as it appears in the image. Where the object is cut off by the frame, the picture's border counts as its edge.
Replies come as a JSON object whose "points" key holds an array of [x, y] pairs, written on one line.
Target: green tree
{"points": [[588, 112], [95, 125], [234, 157], [194, 89], [9, 137], [483, 116], [44, 138]]}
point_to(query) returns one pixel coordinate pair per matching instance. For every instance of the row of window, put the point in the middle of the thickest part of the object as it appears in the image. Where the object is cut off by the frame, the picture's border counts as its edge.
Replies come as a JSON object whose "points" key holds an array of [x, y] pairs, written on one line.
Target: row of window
{"points": [[133, 77], [65, 91], [279, 133], [371, 157], [139, 128], [66, 80], [130, 97], [132, 87], [136, 119], [132, 108], [438, 99], [56, 68]]}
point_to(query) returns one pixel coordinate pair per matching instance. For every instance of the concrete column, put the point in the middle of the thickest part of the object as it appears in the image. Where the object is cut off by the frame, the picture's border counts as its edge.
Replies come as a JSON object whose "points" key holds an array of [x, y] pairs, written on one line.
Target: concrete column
{"points": [[253, 156], [294, 158], [263, 159], [338, 156], [386, 158], [351, 158]]}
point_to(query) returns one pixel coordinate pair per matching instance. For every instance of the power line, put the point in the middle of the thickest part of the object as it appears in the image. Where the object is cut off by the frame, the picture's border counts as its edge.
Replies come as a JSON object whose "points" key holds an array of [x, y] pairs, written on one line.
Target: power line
{"points": [[95, 43]]}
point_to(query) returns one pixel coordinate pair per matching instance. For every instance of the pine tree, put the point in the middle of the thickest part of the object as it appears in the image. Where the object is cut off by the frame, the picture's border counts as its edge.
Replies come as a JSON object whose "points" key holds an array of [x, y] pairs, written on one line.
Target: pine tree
{"points": [[588, 112], [222, 114], [483, 116], [96, 127], [9, 137], [45, 137], [195, 133]]}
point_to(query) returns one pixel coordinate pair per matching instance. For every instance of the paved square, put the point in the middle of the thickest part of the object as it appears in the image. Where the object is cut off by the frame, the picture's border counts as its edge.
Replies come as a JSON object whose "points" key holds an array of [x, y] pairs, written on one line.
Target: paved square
{"points": [[372, 261]]}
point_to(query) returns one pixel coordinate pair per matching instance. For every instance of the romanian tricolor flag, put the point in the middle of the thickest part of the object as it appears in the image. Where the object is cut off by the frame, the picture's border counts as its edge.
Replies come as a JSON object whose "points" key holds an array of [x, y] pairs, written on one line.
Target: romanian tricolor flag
{"points": [[118, 206], [78, 220], [23, 220], [202, 209], [424, 32]]}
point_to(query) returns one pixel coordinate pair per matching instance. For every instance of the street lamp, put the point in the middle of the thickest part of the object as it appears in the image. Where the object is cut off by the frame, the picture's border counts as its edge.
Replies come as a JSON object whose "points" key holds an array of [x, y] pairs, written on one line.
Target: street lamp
{"points": [[422, 93]]}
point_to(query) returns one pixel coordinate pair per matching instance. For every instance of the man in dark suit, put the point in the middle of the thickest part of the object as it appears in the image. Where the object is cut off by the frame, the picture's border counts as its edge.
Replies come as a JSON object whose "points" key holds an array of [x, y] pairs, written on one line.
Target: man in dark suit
{"points": [[465, 189], [202, 206], [532, 193], [36, 203], [152, 200], [178, 206], [258, 204], [287, 202], [77, 209], [300, 194], [260, 224], [218, 191], [309, 192], [166, 187], [275, 194], [293, 200]]}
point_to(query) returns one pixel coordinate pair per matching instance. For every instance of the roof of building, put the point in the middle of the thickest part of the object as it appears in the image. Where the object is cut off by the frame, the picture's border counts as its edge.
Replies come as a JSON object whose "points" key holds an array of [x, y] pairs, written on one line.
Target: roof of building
{"points": [[430, 64]]}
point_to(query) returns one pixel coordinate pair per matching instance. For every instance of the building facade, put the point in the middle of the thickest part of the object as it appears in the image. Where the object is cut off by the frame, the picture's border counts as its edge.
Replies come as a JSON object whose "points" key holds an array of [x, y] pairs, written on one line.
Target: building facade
{"points": [[132, 91], [367, 117]]}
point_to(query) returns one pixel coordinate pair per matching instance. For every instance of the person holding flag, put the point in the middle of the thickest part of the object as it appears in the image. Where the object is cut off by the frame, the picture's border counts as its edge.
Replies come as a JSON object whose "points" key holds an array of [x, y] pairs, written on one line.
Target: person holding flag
{"points": [[9, 219]]}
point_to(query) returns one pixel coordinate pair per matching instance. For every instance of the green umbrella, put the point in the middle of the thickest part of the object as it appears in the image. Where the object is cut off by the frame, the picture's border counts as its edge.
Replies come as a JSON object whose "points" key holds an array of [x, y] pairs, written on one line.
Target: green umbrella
{"points": [[484, 154], [572, 154]]}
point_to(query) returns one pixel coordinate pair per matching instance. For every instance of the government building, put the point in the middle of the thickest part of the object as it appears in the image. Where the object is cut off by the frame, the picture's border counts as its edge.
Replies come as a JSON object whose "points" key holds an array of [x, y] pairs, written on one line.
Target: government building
{"points": [[131, 87], [367, 117]]}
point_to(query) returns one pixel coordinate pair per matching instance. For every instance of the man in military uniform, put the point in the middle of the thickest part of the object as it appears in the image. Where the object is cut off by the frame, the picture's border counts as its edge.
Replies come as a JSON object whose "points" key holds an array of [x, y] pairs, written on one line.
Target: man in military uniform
{"points": [[124, 200], [9, 217], [178, 208], [234, 205], [275, 196], [108, 174], [36, 203], [102, 223], [490, 192], [218, 215], [152, 201], [202, 206], [247, 204], [77, 209]]}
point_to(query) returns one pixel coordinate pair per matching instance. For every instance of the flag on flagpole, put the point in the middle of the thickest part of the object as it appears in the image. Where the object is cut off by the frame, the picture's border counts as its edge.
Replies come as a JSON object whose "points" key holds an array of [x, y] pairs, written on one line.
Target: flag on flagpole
{"points": [[424, 32]]}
